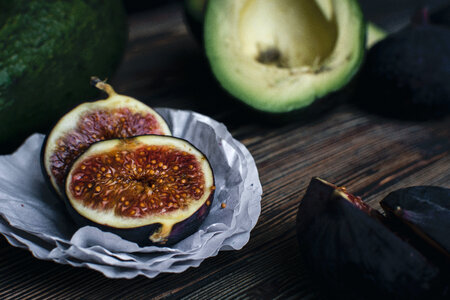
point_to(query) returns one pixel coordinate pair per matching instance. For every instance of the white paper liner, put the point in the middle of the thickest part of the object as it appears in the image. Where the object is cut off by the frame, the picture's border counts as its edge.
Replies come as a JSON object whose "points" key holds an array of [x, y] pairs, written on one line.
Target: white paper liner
{"points": [[31, 217]]}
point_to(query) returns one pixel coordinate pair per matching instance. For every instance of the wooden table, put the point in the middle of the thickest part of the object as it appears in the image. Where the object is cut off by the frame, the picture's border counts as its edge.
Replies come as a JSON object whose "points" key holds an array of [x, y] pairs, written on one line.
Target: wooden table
{"points": [[370, 155]]}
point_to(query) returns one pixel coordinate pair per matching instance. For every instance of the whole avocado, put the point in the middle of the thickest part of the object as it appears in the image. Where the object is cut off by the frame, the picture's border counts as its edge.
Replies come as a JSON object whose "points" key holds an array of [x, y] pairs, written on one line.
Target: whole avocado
{"points": [[407, 74], [48, 51]]}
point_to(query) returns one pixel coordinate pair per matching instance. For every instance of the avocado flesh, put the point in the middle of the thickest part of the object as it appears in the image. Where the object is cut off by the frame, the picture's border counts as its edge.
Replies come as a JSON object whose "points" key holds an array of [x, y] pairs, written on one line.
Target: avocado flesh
{"points": [[49, 50], [195, 13], [374, 35], [279, 56]]}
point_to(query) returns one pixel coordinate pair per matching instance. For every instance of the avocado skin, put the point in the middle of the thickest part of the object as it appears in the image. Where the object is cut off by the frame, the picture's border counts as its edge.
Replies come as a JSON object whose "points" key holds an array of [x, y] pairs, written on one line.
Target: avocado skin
{"points": [[194, 13], [49, 50], [406, 75]]}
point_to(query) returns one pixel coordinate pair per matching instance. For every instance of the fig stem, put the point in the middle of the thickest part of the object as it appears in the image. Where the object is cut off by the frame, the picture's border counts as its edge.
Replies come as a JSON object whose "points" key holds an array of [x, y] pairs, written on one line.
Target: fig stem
{"points": [[102, 85]]}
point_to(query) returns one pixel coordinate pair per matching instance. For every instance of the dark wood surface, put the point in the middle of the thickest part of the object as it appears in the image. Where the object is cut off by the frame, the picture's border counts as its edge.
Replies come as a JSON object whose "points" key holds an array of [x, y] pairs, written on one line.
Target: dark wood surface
{"points": [[370, 155]]}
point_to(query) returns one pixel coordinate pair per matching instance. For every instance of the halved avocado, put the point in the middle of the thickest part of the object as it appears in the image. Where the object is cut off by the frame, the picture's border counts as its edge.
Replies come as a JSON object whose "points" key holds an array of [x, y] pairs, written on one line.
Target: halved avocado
{"points": [[280, 56], [194, 11]]}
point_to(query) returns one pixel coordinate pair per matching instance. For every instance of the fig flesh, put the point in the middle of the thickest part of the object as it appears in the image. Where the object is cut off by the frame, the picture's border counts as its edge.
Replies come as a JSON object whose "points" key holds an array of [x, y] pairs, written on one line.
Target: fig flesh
{"points": [[425, 210], [149, 189], [355, 254], [117, 116]]}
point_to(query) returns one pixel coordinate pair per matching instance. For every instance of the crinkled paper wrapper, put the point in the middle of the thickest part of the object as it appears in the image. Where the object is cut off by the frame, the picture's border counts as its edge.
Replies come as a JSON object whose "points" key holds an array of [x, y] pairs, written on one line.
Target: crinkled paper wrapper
{"points": [[31, 217]]}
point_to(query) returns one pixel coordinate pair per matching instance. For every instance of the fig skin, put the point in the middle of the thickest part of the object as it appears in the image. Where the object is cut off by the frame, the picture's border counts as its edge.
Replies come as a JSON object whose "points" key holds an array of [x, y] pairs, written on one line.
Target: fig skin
{"points": [[144, 235], [423, 211], [406, 75], [355, 255], [140, 235]]}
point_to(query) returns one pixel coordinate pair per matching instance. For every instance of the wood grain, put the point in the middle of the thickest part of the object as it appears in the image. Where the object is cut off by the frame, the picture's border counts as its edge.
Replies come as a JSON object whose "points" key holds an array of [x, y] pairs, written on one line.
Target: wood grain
{"points": [[369, 154]]}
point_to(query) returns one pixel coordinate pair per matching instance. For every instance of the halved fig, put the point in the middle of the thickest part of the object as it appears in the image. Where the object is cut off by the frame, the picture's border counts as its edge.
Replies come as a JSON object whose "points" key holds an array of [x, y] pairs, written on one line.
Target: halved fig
{"points": [[423, 211], [355, 255], [117, 116], [149, 189]]}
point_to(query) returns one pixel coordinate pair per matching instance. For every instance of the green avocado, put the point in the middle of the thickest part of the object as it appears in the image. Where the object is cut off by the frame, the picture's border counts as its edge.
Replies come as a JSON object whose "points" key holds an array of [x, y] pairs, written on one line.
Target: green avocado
{"points": [[279, 57], [194, 11], [49, 50], [374, 35]]}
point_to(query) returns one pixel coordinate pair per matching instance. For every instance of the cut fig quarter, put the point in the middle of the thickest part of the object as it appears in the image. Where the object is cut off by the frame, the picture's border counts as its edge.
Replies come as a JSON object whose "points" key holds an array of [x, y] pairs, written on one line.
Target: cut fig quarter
{"points": [[117, 116], [355, 255], [148, 189], [425, 211]]}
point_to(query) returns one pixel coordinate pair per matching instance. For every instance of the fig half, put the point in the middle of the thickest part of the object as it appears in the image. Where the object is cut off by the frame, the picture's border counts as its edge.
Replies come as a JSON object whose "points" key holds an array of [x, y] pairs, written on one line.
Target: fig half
{"points": [[117, 116], [149, 189], [354, 254]]}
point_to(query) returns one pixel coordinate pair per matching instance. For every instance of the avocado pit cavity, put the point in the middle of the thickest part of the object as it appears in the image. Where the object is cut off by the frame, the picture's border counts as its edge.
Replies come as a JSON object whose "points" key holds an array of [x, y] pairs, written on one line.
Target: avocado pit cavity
{"points": [[287, 33]]}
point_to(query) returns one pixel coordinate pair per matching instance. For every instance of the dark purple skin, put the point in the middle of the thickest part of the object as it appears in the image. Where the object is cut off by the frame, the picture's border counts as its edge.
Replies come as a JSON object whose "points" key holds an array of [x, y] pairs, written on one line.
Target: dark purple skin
{"points": [[441, 17], [354, 255], [44, 171], [425, 210], [406, 75], [189, 226], [140, 235]]}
